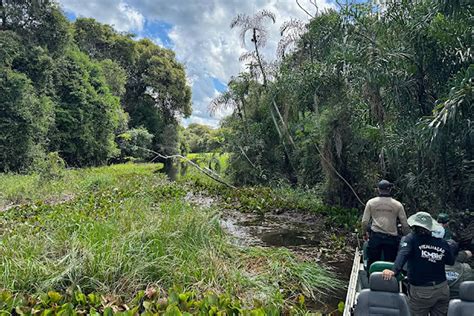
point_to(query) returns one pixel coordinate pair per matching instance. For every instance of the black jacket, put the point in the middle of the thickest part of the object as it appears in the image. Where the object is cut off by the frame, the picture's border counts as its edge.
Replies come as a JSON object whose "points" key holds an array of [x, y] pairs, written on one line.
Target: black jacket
{"points": [[426, 257]]}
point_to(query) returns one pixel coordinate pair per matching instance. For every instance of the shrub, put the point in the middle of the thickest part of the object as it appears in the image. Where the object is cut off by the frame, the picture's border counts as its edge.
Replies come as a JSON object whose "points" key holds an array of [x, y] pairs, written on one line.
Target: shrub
{"points": [[135, 143]]}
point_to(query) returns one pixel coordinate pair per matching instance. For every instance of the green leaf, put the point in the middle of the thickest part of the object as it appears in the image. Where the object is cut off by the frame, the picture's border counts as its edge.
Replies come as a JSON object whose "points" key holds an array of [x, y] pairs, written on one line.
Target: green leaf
{"points": [[173, 310], [108, 312], [54, 297], [47, 312], [80, 298], [341, 306], [93, 312]]}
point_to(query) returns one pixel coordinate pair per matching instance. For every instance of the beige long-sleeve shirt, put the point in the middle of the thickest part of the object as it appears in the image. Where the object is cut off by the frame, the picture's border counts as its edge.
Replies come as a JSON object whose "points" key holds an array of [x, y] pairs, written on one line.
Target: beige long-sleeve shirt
{"points": [[384, 212]]}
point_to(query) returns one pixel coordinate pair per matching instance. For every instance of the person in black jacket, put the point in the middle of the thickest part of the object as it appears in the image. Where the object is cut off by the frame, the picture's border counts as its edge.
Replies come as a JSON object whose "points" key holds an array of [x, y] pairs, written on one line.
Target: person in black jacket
{"points": [[426, 257]]}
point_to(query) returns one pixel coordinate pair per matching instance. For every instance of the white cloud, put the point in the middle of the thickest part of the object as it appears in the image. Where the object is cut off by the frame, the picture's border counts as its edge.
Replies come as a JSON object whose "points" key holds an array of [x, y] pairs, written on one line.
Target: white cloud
{"points": [[120, 14], [201, 36]]}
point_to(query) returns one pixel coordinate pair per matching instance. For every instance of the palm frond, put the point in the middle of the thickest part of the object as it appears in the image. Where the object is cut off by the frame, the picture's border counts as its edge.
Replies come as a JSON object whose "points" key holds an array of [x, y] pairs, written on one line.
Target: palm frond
{"points": [[254, 24], [293, 24], [248, 57], [239, 20], [291, 31], [260, 16], [222, 102]]}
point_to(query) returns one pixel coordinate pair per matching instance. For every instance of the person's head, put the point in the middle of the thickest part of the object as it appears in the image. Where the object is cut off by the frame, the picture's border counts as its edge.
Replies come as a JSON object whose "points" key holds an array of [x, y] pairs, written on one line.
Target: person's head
{"points": [[443, 219], [423, 224], [384, 187], [421, 231]]}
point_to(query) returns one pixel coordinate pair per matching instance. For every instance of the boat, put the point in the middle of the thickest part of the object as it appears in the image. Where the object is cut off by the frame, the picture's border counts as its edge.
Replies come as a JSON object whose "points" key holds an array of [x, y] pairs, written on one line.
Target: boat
{"points": [[359, 279]]}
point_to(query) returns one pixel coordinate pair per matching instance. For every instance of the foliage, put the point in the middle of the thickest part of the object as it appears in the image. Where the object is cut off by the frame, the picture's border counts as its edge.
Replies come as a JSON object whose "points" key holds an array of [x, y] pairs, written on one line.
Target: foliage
{"points": [[147, 302], [39, 23], [277, 198], [115, 76], [367, 94], [80, 85], [127, 229], [156, 93], [25, 118], [53, 167], [202, 138], [135, 143], [87, 115]]}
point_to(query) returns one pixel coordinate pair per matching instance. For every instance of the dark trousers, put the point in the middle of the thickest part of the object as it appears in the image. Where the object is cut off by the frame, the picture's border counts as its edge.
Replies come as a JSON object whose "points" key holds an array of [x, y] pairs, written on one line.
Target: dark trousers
{"points": [[381, 243], [432, 300]]}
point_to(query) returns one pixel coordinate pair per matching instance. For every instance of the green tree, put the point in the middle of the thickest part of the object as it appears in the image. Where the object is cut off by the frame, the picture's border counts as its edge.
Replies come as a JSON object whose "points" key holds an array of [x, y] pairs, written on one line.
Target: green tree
{"points": [[87, 115], [87, 74], [38, 23], [115, 76], [24, 122], [156, 93], [366, 94]]}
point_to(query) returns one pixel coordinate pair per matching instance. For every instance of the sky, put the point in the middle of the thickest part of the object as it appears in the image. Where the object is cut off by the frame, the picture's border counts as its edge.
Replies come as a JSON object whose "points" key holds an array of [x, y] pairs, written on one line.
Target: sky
{"points": [[198, 31]]}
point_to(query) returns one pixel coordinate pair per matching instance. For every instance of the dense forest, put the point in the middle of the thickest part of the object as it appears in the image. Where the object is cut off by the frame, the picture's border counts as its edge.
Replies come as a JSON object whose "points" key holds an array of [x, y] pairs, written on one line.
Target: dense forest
{"points": [[83, 90], [263, 217], [356, 95]]}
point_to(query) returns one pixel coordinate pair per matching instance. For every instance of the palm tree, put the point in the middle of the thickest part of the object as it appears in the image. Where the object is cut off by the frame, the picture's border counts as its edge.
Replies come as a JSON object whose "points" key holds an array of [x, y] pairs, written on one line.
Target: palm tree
{"points": [[291, 32], [234, 98], [258, 32]]}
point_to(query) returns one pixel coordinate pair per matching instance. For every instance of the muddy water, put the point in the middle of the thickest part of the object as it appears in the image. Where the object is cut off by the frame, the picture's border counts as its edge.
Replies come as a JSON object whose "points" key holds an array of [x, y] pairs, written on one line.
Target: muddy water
{"points": [[309, 236], [271, 229], [306, 235]]}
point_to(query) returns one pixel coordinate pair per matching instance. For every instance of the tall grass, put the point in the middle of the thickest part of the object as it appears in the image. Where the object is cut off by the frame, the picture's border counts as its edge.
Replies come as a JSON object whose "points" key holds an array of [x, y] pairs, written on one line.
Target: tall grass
{"points": [[129, 228]]}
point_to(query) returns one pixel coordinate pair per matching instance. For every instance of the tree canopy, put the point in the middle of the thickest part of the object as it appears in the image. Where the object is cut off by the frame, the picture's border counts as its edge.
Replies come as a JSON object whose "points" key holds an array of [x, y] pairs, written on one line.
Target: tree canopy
{"points": [[367, 93], [74, 88]]}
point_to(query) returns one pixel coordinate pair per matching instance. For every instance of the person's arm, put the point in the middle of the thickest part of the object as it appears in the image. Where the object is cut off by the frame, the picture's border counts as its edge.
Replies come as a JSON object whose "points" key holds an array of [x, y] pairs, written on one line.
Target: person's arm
{"points": [[402, 257], [366, 218], [402, 216], [403, 254]]}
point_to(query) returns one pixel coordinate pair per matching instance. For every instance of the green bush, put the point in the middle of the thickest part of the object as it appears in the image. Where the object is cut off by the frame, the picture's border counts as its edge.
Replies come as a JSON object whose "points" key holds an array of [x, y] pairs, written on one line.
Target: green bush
{"points": [[135, 143], [52, 167]]}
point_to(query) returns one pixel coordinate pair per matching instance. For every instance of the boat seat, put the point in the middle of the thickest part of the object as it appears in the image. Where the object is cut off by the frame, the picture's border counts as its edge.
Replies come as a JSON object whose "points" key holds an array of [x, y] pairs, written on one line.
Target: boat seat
{"points": [[379, 266], [382, 298], [464, 306]]}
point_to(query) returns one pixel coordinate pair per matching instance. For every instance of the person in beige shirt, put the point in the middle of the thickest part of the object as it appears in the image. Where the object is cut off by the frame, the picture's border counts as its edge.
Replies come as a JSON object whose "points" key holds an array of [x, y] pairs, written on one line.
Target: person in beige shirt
{"points": [[384, 212]]}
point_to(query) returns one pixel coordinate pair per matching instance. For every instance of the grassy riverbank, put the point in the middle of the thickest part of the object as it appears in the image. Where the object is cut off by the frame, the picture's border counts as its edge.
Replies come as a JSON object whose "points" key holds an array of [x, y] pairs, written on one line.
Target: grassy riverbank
{"points": [[125, 228]]}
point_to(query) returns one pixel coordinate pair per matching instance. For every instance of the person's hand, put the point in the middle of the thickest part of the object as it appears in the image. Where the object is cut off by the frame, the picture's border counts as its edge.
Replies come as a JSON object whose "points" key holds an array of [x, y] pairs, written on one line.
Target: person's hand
{"points": [[387, 274], [366, 236], [468, 253]]}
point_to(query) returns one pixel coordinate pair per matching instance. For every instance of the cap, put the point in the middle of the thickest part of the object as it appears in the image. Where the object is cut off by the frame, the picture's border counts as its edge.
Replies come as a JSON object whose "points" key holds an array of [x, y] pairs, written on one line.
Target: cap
{"points": [[443, 218], [423, 219], [439, 232], [385, 185]]}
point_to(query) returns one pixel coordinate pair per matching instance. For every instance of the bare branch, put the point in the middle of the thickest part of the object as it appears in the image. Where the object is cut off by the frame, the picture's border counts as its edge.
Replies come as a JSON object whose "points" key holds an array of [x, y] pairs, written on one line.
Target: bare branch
{"points": [[212, 175], [313, 2], [305, 11]]}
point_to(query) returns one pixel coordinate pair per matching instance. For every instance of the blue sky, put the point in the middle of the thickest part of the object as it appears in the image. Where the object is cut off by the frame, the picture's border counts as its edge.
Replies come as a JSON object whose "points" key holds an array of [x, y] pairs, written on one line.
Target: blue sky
{"points": [[199, 33]]}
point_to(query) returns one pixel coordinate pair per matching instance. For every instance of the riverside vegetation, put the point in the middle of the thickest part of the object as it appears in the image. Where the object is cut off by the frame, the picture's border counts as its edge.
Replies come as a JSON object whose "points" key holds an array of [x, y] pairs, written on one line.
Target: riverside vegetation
{"points": [[126, 240], [367, 92]]}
